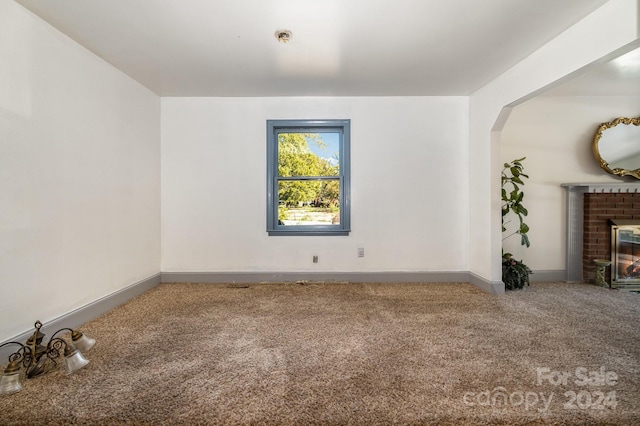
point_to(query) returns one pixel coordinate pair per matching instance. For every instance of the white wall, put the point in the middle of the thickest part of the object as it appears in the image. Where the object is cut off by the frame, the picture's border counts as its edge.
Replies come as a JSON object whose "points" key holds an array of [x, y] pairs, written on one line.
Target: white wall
{"points": [[409, 182], [556, 136], [612, 27], [79, 175]]}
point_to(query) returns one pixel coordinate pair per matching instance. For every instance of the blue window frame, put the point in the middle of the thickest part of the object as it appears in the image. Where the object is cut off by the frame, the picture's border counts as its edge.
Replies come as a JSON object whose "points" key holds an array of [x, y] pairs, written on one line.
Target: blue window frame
{"points": [[308, 181]]}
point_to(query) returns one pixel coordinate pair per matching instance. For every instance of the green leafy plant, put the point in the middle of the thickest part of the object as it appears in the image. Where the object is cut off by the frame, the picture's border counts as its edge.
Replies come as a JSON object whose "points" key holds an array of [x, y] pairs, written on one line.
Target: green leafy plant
{"points": [[512, 196], [515, 274]]}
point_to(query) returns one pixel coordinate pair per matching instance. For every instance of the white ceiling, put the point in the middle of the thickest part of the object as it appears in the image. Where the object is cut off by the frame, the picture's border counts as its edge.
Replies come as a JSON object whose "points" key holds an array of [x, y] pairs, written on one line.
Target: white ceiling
{"points": [[617, 77], [339, 47]]}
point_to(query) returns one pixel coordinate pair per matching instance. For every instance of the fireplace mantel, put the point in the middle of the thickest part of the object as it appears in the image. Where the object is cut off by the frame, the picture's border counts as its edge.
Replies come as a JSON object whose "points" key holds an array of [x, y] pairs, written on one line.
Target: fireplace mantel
{"points": [[612, 187], [575, 218]]}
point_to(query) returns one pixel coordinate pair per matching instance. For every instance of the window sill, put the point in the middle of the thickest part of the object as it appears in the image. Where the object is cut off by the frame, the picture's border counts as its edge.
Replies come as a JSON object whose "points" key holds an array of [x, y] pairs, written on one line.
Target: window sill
{"points": [[303, 233]]}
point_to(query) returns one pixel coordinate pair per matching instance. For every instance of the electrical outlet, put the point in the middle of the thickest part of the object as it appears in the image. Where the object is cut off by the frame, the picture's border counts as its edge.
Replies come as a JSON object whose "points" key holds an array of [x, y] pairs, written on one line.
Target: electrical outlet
{"points": [[360, 251], [315, 259]]}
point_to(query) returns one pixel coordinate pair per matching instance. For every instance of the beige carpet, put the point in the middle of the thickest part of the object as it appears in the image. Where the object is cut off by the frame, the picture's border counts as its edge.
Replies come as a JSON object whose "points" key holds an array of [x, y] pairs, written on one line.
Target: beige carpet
{"points": [[346, 353]]}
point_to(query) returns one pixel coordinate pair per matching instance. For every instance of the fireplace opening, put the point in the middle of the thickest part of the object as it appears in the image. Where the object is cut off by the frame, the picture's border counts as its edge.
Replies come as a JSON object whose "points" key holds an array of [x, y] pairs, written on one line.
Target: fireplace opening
{"points": [[590, 207], [625, 252]]}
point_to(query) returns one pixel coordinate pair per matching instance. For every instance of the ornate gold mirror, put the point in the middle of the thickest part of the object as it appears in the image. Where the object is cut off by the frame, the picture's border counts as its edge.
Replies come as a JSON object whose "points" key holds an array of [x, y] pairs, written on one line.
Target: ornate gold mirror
{"points": [[616, 146]]}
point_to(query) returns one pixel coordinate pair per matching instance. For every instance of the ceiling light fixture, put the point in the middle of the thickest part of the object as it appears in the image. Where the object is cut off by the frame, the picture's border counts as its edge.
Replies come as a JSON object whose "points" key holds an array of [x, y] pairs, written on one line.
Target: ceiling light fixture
{"points": [[283, 36], [38, 359]]}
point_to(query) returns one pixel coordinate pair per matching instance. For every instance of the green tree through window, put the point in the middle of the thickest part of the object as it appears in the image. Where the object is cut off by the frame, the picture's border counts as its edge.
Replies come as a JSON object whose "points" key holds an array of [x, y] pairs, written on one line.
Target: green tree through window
{"points": [[295, 158], [308, 180]]}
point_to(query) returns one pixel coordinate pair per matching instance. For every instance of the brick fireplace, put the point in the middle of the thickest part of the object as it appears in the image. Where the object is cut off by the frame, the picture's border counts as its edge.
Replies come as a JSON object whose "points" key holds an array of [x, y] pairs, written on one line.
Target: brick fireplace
{"points": [[599, 208], [590, 207]]}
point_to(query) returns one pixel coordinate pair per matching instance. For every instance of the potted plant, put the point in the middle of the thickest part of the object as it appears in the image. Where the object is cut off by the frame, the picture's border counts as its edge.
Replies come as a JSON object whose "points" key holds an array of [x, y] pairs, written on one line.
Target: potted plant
{"points": [[515, 274]]}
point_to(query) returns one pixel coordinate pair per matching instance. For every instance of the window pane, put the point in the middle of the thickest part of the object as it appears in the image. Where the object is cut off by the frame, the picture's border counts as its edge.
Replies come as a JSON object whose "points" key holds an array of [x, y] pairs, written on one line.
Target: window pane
{"points": [[309, 202], [308, 154], [308, 179]]}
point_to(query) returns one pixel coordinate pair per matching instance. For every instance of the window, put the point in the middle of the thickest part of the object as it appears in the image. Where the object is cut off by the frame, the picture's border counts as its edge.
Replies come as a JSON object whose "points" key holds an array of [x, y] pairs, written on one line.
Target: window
{"points": [[308, 177]]}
